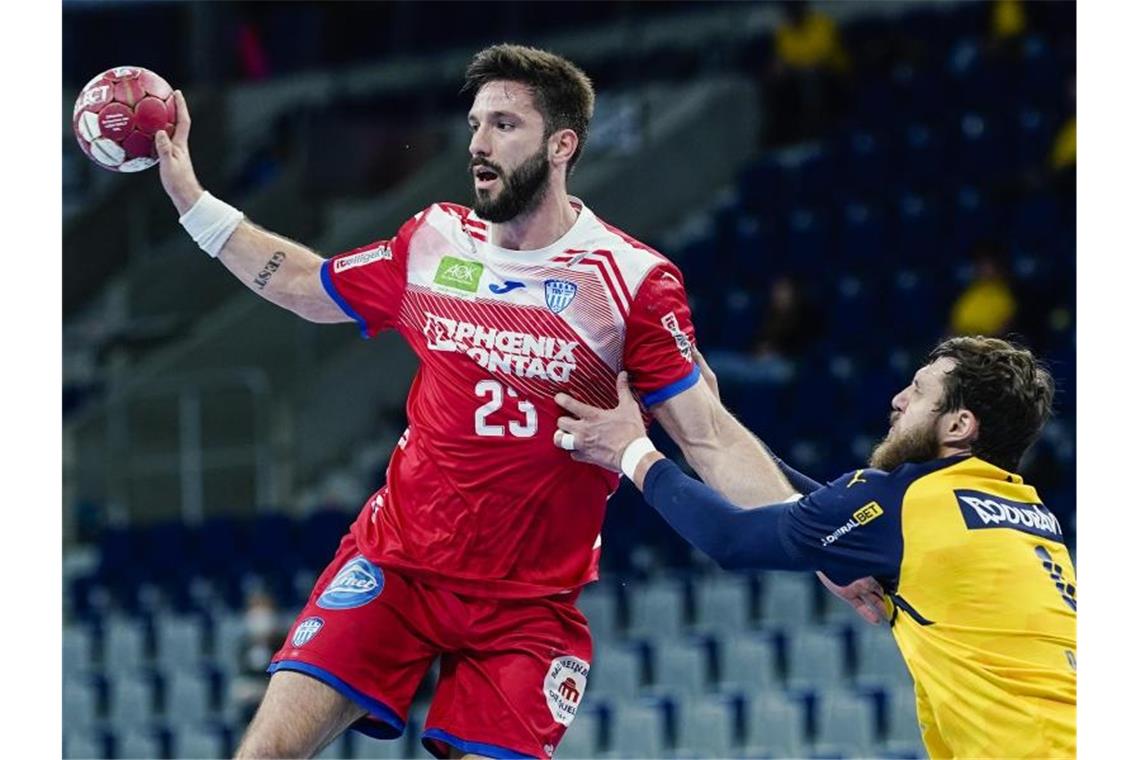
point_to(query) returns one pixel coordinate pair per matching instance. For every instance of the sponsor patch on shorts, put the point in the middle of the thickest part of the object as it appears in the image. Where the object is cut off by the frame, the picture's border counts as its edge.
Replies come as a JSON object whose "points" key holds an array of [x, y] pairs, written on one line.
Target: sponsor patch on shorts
{"points": [[306, 630], [357, 584], [564, 685]]}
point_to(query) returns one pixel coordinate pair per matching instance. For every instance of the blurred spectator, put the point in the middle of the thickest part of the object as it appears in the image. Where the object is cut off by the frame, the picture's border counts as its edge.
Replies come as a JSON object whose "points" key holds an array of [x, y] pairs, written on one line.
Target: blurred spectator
{"points": [[808, 79], [987, 306], [790, 322], [1007, 20], [264, 633]]}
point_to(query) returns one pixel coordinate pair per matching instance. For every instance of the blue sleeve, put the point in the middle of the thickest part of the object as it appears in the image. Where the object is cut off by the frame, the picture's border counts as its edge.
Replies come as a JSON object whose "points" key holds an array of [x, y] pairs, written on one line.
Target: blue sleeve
{"points": [[737, 539], [851, 528], [799, 481]]}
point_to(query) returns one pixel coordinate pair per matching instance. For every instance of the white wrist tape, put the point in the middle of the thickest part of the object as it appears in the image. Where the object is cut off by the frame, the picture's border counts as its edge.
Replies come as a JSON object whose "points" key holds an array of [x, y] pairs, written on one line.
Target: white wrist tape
{"points": [[633, 454], [211, 222]]}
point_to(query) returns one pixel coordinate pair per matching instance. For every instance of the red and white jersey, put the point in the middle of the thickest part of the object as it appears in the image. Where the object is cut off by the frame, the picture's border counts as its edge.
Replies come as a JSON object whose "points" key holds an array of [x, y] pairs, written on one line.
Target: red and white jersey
{"points": [[478, 499]]}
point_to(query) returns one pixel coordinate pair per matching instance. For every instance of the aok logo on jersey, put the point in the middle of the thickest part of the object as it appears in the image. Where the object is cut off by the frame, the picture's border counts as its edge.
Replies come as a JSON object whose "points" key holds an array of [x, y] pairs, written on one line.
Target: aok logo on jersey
{"points": [[459, 274], [564, 685], [512, 353], [983, 510]]}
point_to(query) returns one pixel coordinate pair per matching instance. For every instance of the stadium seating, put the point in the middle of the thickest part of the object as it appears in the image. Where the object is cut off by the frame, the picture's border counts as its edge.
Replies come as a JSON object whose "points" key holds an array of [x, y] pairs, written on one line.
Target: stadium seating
{"points": [[705, 728], [879, 218], [637, 729]]}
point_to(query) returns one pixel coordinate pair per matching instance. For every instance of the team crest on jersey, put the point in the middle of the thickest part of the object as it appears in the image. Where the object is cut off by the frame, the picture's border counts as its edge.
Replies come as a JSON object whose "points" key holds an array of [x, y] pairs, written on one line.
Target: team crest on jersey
{"points": [[357, 584], [306, 630], [564, 685], [559, 294]]}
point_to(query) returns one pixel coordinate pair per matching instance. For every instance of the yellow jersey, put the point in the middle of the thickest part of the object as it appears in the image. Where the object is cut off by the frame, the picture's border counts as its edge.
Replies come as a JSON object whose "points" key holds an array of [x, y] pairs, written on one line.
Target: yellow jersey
{"points": [[982, 596]]}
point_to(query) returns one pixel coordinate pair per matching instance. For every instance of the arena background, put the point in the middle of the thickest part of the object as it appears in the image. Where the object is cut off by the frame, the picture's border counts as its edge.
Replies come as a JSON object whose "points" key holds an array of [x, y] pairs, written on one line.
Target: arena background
{"points": [[838, 199]]}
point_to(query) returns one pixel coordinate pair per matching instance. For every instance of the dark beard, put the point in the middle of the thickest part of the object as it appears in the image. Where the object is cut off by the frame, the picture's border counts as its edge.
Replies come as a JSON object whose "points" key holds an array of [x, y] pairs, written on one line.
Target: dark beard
{"points": [[916, 446], [523, 189]]}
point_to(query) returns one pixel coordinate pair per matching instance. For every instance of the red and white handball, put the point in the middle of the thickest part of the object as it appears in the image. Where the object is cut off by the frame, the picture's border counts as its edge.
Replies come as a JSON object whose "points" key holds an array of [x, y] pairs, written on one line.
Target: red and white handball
{"points": [[117, 115]]}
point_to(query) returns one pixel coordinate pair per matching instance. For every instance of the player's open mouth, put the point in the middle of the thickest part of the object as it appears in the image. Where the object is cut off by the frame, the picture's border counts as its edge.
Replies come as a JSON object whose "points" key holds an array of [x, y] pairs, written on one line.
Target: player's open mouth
{"points": [[485, 177]]}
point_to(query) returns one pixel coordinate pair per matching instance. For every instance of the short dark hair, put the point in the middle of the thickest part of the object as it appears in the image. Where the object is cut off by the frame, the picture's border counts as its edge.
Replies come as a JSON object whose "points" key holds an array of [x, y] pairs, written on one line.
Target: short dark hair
{"points": [[563, 94], [1005, 387]]}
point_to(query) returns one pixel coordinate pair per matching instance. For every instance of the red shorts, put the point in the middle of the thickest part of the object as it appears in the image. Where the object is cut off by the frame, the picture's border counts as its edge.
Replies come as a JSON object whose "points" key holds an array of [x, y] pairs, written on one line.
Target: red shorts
{"points": [[512, 672]]}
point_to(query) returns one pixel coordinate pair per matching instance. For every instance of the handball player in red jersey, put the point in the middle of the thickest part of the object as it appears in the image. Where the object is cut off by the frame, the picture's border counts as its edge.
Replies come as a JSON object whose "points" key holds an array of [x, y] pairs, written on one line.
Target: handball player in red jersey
{"points": [[477, 546]]}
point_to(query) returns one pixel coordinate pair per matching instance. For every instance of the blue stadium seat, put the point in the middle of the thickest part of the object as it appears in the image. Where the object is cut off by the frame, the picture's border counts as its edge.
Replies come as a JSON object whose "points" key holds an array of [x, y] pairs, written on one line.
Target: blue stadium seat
{"points": [[1040, 70], [774, 724], [229, 641], [877, 658], [124, 644], [637, 729], [748, 663], [615, 672], [85, 744], [583, 736], [188, 697], [902, 718], [198, 741], [851, 309], [808, 239], [132, 699], [980, 154], [863, 237], [1034, 135], [915, 308], [740, 317], [864, 163], [816, 659], [680, 668], [723, 603], [788, 599], [657, 609], [80, 705], [974, 219], [844, 723], [919, 231], [600, 606], [78, 649], [179, 641], [141, 743], [922, 156], [705, 728]]}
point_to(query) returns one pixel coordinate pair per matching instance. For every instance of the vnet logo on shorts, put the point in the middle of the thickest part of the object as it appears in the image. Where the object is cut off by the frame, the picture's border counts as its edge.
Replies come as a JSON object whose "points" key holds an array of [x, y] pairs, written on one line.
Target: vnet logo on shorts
{"points": [[564, 685], [357, 584]]}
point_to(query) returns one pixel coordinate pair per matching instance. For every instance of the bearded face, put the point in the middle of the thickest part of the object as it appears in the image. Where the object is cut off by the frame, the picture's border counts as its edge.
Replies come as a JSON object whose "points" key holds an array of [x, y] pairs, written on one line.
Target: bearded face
{"points": [[916, 444], [501, 196]]}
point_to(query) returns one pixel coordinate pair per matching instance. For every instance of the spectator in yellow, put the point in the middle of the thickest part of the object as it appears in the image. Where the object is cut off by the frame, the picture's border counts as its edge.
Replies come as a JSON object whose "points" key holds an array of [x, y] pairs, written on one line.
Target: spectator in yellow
{"points": [[806, 85], [1064, 153], [987, 305], [809, 39], [1007, 20]]}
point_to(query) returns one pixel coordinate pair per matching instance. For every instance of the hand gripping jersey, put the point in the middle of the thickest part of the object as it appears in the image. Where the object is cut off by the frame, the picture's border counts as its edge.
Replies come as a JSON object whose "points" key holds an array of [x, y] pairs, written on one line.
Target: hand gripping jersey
{"points": [[478, 499], [983, 593]]}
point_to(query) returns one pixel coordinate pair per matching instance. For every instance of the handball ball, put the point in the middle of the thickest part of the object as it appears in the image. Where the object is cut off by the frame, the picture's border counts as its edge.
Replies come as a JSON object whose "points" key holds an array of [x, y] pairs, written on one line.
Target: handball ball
{"points": [[117, 115]]}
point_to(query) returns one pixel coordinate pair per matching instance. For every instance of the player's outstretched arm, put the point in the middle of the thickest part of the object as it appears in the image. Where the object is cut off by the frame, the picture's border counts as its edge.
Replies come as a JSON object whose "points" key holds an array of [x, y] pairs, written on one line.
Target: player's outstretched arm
{"points": [[276, 268]]}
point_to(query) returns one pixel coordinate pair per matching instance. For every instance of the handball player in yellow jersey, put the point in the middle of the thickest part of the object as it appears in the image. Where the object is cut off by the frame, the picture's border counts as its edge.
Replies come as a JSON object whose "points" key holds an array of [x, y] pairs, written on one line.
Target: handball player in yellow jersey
{"points": [[980, 589]]}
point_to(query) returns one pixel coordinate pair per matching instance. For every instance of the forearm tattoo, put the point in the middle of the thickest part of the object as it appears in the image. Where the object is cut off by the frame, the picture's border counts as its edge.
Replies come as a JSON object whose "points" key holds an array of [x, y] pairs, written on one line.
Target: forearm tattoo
{"points": [[269, 269]]}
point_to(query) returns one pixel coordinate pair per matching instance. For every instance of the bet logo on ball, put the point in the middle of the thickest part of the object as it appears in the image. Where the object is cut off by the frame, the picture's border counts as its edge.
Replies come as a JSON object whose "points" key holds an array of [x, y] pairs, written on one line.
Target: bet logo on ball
{"points": [[117, 115]]}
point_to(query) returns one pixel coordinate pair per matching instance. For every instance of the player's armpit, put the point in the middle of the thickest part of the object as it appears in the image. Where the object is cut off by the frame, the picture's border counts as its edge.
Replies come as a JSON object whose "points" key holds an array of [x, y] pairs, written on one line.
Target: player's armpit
{"points": [[724, 453]]}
